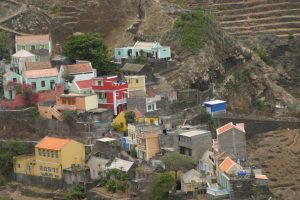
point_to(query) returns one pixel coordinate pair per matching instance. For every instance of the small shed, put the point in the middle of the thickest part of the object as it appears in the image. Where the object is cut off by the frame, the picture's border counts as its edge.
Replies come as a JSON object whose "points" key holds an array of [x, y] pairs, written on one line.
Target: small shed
{"points": [[191, 181], [215, 107]]}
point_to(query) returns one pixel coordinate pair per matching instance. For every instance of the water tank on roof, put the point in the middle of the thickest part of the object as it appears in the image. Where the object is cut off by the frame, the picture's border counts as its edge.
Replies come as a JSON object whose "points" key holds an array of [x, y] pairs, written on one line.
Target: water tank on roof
{"points": [[242, 173]]}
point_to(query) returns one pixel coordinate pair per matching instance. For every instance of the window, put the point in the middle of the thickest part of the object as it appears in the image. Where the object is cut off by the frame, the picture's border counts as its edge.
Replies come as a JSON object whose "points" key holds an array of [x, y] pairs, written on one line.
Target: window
{"points": [[94, 173], [136, 80], [99, 83], [149, 107], [32, 47], [41, 168], [33, 85], [14, 80], [19, 165], [40, 152], [117, 94], [52, 154], [43, 83], [53, 169], [44, 152], [119, 52], [48, 153], [56, 154], [49, 169], [45, 169]]}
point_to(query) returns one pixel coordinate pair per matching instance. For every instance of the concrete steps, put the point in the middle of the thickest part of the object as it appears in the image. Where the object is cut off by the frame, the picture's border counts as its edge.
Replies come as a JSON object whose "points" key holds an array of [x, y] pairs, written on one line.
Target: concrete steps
{"points": [[250, 17]]}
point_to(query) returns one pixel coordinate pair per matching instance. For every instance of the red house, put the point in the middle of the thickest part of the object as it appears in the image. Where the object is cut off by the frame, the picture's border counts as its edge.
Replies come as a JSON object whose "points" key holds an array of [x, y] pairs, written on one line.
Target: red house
{"points": [[111, 92]]}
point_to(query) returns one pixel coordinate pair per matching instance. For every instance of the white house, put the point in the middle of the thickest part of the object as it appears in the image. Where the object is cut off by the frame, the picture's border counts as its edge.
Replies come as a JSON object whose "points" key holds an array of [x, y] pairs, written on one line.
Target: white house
{"points": [[80, 71]]}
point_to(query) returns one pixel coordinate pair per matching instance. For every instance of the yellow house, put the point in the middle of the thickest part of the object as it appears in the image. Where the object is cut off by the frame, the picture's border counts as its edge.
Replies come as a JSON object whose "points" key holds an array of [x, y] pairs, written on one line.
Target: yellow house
{"points": [[136, 83], [51, 157], [148, 141], [120, 123]]}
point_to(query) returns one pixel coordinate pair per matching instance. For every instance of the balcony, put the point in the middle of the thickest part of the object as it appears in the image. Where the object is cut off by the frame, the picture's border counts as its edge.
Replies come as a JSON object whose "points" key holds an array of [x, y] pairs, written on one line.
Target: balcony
{"points": [[66, 107], [102, 101], [122, 101]]}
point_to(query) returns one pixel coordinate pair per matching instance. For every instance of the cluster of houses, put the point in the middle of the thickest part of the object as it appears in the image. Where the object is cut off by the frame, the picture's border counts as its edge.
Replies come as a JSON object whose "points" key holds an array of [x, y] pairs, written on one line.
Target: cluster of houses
{"points": [[223, 170]]}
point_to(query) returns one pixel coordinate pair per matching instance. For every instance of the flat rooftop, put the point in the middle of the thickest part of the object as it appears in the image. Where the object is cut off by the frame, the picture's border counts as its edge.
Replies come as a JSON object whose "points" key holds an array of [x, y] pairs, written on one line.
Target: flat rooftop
{"points": [[75, 95], [214, 102], [194, 133], [106, 139]]}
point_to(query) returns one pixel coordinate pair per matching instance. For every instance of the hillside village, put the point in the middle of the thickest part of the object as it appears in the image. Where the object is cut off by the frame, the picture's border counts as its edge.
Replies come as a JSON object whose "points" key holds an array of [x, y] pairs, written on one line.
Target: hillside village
{"points": [[82, 120]]}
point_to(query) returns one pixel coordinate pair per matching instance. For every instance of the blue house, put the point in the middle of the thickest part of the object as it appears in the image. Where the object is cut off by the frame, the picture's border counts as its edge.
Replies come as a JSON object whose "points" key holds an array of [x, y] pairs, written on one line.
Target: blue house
{"points": [[215, 107], [147, 49]]}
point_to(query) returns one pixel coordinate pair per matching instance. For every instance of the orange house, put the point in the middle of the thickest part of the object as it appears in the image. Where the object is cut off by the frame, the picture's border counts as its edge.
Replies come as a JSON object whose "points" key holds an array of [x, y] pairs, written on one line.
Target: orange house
{"points": [[78, 102]]}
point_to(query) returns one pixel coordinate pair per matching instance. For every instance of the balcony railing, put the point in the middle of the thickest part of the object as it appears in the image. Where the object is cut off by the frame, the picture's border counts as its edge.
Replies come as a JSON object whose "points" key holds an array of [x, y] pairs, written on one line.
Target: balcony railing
{"points": [[66, 107], [122, 101], [102, 100]]}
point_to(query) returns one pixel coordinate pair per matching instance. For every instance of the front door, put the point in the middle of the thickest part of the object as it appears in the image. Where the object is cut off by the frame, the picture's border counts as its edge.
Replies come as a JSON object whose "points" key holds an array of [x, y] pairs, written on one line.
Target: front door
{"points": [[10, 94], [52, 84]]}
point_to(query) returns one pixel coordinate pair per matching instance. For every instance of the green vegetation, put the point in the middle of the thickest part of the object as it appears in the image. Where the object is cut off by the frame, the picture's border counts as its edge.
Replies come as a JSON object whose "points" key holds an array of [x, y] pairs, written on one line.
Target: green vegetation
{"points": [[161, 186], [77, 192], [130, 117], [181, 3], [175, 161], [115, 180], [262, 54], [90, 47], [57, 7], [69, 116], [9, 149], [290, 36], [133, 153], [5, 44], [190, 28], [258, 104], [205, 117]]}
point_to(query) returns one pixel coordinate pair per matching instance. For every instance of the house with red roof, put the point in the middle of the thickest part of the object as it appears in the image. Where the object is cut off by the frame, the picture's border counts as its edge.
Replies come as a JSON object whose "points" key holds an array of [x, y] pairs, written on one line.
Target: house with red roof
{"points": [[151, 99], [51, 157], [82, 86], [231, 138], [41, 79], [82, 70]]}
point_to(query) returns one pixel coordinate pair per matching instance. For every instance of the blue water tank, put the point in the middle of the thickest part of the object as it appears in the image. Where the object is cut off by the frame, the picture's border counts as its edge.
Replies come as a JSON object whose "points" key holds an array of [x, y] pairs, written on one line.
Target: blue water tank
{"points": [[242, 173]]}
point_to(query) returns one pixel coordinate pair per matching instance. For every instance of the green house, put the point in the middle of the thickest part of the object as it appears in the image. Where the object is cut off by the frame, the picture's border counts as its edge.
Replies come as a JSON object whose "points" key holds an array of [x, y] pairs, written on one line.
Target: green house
{"points": [[41, 79], [148, 49], [40, 45], [11, 84]]}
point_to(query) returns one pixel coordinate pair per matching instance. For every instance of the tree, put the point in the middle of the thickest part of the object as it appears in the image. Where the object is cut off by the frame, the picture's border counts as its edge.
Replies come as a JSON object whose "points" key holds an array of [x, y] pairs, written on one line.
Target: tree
{"points": [[5, 42], [29, 97], [175, 162], [90, 47], [115, 180], [161, 186], [9, 149], [130, 117]]}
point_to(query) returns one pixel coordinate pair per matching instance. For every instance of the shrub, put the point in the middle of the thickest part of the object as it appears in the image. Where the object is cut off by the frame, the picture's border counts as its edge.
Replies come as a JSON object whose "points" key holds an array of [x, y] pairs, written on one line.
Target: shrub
{"points": [[77, 192], [115, 180], [161, 186], [130, 117], [290, 36], [262, 54], [181, 3]]}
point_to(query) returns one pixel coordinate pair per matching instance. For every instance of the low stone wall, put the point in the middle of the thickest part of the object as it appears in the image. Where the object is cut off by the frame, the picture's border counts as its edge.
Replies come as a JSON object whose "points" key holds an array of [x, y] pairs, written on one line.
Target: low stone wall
{"points": [[40, 181]]}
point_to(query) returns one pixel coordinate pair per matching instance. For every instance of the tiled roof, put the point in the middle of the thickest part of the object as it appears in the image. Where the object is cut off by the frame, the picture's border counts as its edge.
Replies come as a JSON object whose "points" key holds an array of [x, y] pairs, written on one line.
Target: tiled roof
{"points": [[229, 126], [139, 44], [132, 67], [261, 176], [52, 143], [23, 54], [150, 92], [84, 84], [41, 73], [38, 65], [226, 164], [78, 68], [32, 39]]}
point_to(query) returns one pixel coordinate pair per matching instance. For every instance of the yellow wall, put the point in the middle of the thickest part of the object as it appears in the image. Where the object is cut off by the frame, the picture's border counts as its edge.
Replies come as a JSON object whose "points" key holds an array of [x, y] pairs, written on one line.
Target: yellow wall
{"points": [[71, 153], [91, 102], [149, 119], [22, 164], [152, 142], [120, 122], [136, 83]]}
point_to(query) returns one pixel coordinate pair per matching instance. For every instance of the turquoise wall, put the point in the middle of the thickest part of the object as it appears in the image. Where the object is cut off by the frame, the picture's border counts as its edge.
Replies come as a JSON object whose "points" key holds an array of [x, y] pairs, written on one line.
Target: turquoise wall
{"points": [[121, 53], [28, 47], [38, 82], [164, 53]]}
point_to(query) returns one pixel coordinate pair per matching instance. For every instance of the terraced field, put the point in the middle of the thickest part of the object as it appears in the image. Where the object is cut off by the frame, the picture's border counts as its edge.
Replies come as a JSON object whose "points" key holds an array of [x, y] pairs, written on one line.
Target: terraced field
{"points": [[250, 17]]}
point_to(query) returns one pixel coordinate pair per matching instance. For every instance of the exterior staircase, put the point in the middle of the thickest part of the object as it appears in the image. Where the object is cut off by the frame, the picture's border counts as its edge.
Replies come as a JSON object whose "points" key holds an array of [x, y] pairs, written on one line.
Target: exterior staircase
{"points": [[55, 113], [243, 18]]}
